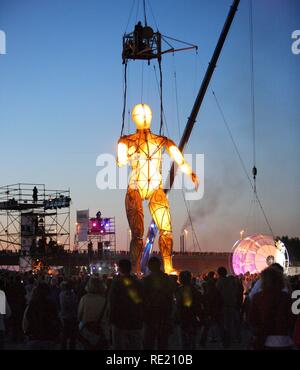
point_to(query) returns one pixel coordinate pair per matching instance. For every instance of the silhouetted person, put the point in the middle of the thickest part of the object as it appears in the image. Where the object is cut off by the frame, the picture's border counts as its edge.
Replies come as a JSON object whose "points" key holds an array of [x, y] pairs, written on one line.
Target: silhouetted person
{"points": [[127, 322], [68, 314], [158, 299], [138, 37], [213, 308], [270, 313], [90, 249], [42, 246], [54, 291], [229, 291], [17, 300], [41, 322], [189, 306], [92, 312], [5, 314], [35, 194]]}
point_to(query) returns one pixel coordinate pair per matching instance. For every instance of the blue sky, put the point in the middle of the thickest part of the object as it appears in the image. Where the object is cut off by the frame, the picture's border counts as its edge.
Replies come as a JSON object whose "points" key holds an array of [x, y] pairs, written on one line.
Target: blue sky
{"points": [[61, 104]]}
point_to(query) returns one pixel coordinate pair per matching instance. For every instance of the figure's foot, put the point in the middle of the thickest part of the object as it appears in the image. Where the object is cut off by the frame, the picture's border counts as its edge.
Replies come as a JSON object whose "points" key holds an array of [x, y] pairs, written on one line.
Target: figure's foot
{"points": [[169, 270]]}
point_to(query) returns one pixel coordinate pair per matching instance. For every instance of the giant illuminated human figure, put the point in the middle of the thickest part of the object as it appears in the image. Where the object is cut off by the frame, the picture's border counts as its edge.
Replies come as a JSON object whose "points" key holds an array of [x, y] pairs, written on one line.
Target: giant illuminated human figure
{"points": [[143, 150]]}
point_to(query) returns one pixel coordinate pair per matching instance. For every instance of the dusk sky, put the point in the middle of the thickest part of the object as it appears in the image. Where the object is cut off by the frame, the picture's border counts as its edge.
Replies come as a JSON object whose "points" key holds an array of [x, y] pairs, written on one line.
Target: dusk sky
{"points": [[61, 103]]}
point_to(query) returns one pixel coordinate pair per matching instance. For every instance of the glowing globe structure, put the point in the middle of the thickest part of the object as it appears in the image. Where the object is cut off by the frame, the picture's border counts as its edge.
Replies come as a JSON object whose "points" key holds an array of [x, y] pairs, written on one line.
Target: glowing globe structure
{"points": [[256, 252]]}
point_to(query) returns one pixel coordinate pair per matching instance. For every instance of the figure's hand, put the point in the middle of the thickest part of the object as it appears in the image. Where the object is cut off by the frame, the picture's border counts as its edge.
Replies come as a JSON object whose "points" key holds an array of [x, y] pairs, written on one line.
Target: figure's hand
{"points": [[195, 180]]}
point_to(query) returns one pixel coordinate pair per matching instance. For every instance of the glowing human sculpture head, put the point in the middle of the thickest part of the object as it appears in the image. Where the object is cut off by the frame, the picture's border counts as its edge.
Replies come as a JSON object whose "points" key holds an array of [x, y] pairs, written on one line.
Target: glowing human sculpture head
{"points": [[142, 116]]}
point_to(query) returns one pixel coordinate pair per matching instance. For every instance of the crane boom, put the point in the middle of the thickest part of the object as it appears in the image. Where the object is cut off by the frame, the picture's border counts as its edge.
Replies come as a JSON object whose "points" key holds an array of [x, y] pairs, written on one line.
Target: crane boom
{"points": [[152, 231]]}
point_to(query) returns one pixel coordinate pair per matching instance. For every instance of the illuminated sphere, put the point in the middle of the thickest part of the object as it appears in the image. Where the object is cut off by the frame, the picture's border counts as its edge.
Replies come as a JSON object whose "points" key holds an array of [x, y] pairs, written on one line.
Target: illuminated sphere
{"points": [[142, 116], [256, 252]]}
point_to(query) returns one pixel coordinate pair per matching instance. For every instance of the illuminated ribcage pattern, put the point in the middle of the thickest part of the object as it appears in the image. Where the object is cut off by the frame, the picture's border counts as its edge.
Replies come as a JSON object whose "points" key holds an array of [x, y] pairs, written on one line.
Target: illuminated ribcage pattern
{"points": [[145, 153]]}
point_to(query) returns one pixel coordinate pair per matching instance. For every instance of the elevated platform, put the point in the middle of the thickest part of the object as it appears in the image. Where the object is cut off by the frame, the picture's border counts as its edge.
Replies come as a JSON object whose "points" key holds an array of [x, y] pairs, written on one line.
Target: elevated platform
{"points": [[26, 196], [32, 215]]}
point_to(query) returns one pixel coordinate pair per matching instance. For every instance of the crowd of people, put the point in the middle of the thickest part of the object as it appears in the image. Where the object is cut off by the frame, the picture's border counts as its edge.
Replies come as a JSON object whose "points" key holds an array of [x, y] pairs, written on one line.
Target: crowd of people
{"points": [[126, 312]]}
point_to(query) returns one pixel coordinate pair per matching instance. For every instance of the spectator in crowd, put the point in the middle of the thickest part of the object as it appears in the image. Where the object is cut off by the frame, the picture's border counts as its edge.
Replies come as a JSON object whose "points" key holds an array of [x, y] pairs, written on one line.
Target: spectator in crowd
{"points": [[227, 287], [16, 297], [213, 309], [270, 313], [41, 323], [5, 313], [126, 309], [158, 303], [68, 315], [29, 287], [189, 309], [158, 293], [257, 287], [92, 312], [55, 291]]}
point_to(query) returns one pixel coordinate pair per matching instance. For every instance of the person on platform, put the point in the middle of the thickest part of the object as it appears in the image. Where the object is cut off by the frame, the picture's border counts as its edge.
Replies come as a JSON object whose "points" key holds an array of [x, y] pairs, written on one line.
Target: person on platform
{"points": [[35, 194]]}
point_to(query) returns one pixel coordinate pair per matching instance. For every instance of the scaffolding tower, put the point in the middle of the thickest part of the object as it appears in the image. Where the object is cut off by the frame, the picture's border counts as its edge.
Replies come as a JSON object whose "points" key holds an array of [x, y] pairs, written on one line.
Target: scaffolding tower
{"points": [[34, 220]]}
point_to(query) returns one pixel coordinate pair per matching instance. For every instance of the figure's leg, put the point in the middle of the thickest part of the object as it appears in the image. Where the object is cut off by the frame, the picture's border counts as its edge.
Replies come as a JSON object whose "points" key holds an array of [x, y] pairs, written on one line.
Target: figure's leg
{"points": [[160, 212], [135, 216]]}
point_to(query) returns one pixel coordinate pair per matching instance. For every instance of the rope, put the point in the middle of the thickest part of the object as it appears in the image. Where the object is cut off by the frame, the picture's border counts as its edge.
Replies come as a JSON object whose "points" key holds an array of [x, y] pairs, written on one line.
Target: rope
{"points": [[251, 43], [180, 41], [153, 16], [137, 11], [161, 97], [142, 82], [176, 97], [232, 139], [191, 223], [124, 97], [130, 15], [178, 124], [157, 84], [243, 164], [145, 17]]}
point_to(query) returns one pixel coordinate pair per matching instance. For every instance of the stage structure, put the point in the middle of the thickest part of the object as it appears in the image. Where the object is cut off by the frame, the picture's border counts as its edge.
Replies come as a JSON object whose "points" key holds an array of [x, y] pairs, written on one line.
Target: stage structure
{"points": [[256, 252], [34, 221], [95, 235]]}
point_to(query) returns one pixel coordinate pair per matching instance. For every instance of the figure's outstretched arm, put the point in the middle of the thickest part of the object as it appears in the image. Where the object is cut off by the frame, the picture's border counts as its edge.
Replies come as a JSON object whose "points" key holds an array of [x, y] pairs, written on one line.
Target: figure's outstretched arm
{"points": [[176, 154], [122, 155]]}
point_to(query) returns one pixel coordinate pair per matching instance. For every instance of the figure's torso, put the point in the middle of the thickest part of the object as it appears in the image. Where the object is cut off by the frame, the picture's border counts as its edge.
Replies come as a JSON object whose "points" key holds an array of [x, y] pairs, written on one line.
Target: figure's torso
{"points": [[145, 153]]}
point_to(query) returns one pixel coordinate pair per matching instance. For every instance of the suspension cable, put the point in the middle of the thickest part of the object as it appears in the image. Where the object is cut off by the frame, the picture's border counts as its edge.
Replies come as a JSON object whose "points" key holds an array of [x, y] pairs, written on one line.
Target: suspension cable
{"points": [[179, 132], [162, 108], [176, 97], [124, 97], [251, 46], [142, 82], [191, 223], [130, 15], [152, 13], [145, 16], [161, 96], [137, 11], [242, 163]]}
